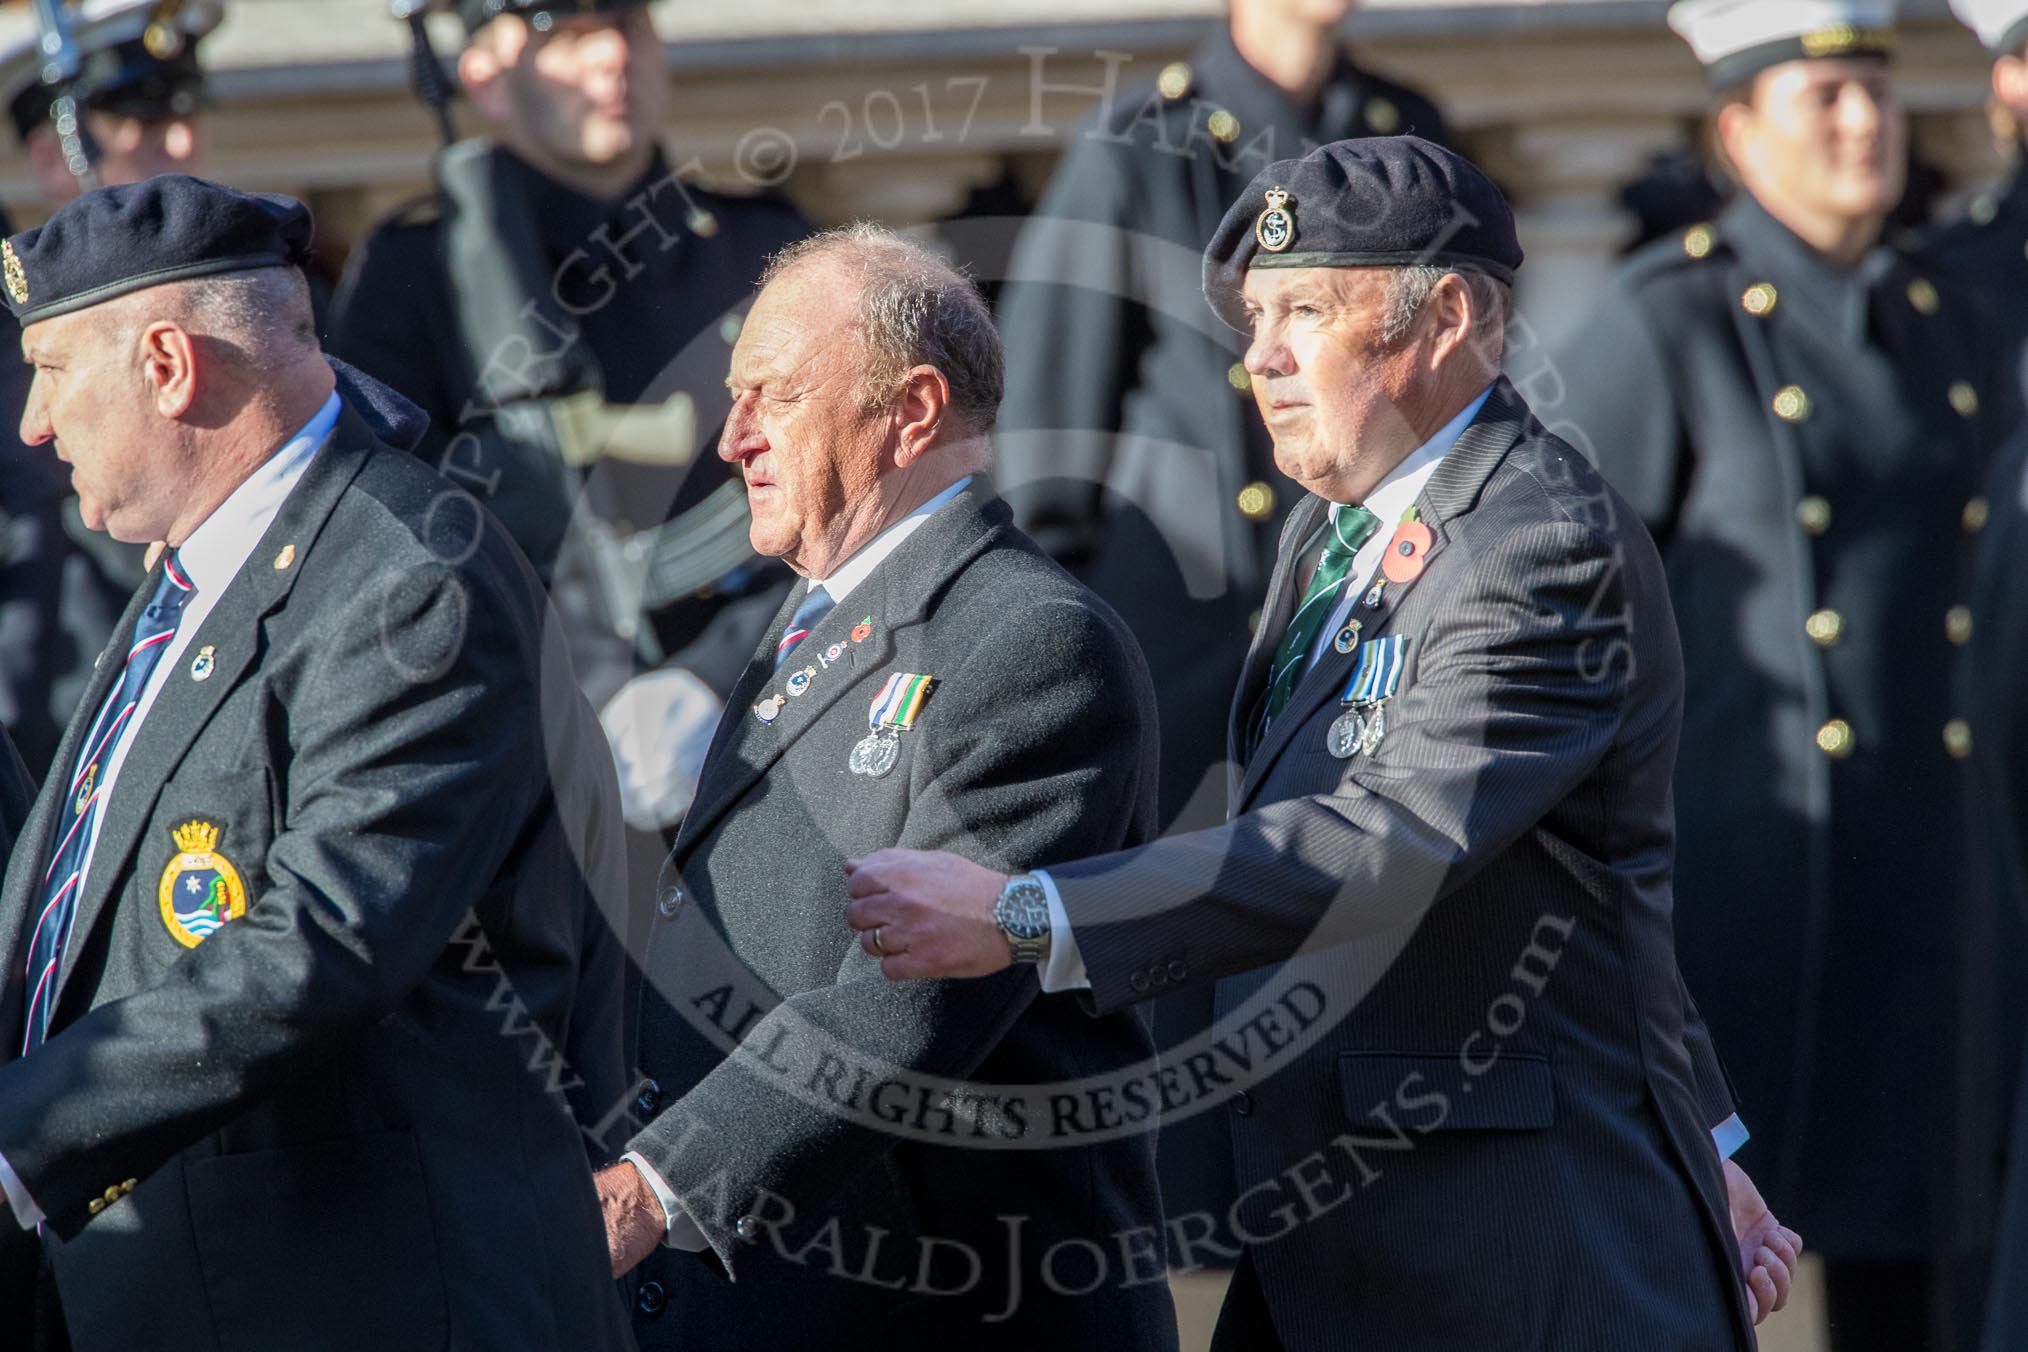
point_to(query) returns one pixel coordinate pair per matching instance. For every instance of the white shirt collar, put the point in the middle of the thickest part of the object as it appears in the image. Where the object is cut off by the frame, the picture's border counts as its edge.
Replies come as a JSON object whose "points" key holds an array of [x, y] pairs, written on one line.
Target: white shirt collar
{"points": [[1404, 483], [855, 570], [216, 550]]}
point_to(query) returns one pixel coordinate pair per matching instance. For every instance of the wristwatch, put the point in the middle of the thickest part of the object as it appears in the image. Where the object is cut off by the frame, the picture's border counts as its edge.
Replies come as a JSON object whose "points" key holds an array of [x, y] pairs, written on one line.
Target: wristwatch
{"points": [[1022, 913]]}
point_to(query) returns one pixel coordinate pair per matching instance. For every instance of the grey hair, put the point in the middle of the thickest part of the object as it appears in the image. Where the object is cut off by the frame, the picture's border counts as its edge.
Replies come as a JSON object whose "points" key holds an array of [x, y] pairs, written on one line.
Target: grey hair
{"points": [[263, 316], [915, 309], [259, 320], [1409, 288]]}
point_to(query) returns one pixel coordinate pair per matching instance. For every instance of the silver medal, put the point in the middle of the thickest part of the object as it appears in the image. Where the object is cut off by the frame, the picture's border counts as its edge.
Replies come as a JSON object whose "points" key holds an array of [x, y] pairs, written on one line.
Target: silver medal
{"points": [[1376, 728], [875, 753], [1346, 735]]}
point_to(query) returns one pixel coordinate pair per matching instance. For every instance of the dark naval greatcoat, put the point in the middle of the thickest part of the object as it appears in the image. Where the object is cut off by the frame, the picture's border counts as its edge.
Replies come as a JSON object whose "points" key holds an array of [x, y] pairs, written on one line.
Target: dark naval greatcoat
{"points": [[1809, 445]]}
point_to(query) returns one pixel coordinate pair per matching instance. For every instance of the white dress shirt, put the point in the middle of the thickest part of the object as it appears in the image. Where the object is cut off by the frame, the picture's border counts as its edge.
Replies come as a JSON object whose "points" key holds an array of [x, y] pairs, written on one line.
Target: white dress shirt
{"points": [[1064, 968], [210, 558], [678, 1230]]}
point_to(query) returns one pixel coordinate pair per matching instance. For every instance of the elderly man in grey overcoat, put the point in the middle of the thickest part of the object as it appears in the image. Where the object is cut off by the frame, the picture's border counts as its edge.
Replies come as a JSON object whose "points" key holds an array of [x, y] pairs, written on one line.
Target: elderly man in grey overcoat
{"points": [[887, 1162]]}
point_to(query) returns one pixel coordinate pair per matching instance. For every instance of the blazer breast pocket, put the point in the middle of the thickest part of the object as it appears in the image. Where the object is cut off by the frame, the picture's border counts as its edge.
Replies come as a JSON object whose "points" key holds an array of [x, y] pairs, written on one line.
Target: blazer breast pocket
{"points": [[321, 1247], [1513, 1091]]}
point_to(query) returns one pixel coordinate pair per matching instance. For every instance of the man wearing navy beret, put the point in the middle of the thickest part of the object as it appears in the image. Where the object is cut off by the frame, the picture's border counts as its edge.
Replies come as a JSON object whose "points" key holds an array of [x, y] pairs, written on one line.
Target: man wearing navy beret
{"points": [[1471, 1103], [303, 975]]}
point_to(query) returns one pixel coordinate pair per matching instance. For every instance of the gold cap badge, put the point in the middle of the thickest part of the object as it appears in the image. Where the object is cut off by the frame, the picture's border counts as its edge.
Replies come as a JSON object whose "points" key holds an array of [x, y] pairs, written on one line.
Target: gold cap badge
{"points": [[17, 280], [1275, 228]]}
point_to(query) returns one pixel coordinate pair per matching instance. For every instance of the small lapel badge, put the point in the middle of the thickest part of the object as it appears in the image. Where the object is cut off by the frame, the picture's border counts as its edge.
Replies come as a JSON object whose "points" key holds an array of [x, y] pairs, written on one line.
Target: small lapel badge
{"points": [[834, 652], [800, 682], [1407, 553], [285, 558], [863, 630], [202, 665], [1373, 595], [1275, 228], [1348, 637], [85, 786], [200, 890], [769, 709]]}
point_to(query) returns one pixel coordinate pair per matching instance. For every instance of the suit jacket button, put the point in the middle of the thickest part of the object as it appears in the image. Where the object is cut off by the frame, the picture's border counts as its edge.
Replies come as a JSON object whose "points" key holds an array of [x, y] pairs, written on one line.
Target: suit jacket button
{"points": [[748, 1229], [1158, 976], [671, 902], [1242, 1103], [648, 1100], [651, 1298], [1138, 980], [95, 1206], [1177, 969]]}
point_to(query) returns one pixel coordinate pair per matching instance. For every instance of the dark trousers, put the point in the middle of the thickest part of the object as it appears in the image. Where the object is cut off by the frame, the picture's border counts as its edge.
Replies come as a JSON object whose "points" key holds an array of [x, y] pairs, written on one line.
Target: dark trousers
{"points": [[1910, 1306], [1244, 1324]]}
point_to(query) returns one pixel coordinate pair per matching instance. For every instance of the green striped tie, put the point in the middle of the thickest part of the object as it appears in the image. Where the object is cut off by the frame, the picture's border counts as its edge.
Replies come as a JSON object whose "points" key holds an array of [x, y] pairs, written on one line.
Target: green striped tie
{"points": [[1353, 527]]}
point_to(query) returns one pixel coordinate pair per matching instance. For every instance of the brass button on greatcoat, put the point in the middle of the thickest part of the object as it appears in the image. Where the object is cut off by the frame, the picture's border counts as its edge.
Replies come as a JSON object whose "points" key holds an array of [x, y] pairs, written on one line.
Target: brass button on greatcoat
{"points": [[1237, 377], [1698, 240], [1958, 625], [1760, 300], [1174, 81], [1257, 501], [1814, 514], [1957, 738], [1792, 404], [1824, 627], [1835, 739], [1223, 126], [1964, 399], [1976, 513], [1923, 296]]}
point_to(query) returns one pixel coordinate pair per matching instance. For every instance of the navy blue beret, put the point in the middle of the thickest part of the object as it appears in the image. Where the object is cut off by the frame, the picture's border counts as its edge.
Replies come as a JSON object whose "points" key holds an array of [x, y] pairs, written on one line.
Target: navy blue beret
{"points": [[112, 241], [1376, 202]]}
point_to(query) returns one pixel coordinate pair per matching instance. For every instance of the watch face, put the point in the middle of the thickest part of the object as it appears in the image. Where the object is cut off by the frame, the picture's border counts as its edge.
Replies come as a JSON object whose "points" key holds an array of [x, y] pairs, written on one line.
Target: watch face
{"points": [[1023, 911]]}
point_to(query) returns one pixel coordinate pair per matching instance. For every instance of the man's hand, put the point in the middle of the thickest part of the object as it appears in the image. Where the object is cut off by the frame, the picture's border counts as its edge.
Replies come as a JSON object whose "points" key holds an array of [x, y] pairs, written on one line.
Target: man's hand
{"points": [[926, 914], [1768, 1250], [634, 1220]]}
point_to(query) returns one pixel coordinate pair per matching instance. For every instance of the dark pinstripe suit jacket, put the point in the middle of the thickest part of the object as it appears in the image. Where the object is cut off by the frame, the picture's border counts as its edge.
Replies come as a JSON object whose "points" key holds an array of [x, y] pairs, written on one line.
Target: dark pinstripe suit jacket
{"points": [[1471, 1075]]}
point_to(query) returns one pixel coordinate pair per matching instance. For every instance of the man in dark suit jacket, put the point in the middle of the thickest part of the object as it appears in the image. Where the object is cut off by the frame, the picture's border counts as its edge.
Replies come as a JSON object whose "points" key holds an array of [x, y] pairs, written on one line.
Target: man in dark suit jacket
{"points": [[300, 989], [875, 1161], [1471, 1103]]}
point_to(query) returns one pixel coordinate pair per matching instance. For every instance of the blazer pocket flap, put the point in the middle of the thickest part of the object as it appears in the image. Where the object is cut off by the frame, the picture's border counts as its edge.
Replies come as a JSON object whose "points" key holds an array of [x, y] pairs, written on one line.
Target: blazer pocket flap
{"points": [[1515, 1091]]}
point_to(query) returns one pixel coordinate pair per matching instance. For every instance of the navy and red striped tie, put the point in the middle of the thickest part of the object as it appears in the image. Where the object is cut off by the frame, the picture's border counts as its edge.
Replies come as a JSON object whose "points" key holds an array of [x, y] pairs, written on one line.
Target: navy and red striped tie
{"points": [[153, 634], [808, 616]]}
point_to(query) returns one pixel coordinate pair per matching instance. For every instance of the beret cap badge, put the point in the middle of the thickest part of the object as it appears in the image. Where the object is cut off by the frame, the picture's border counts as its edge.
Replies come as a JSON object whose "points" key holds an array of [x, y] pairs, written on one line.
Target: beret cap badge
{"points": [[17, 280], [1275, 228]]}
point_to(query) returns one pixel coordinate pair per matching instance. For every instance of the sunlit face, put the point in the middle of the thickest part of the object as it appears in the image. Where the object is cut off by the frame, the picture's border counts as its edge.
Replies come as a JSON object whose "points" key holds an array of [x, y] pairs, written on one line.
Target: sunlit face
{"points": [[1826, 138], [130, 149], [799, 430], [1331, 395], [591, 89], [90, 401]]}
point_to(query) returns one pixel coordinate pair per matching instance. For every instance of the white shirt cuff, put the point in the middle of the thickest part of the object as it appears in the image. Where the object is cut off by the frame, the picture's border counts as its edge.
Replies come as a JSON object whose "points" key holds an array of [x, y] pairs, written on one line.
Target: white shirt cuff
{"points": [[1064, 969], [678, 1230], [1729, 1136], [26, 1213]]}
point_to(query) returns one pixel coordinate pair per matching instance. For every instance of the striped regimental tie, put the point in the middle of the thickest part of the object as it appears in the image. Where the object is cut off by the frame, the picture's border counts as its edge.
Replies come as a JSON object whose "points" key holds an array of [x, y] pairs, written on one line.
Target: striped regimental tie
{"points": [[808, 616], [153, 634], [1351, 528]]}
